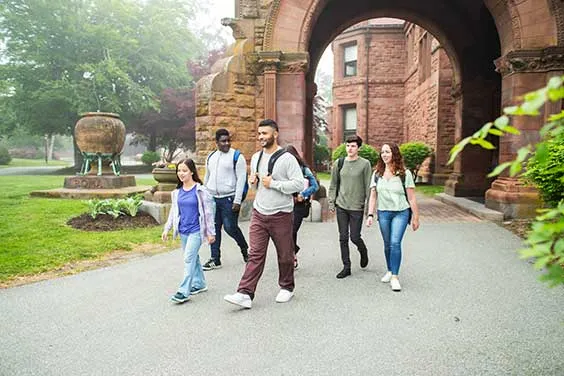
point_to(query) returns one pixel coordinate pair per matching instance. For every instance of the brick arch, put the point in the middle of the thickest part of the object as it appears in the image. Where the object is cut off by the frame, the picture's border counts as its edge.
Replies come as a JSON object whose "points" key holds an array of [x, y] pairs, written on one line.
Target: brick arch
{"points": [[557, 9]]}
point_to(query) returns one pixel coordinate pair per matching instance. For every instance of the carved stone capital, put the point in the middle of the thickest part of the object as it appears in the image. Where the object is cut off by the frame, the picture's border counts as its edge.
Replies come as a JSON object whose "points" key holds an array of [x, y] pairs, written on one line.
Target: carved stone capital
{"points": [[528, 61], [270, 60]]}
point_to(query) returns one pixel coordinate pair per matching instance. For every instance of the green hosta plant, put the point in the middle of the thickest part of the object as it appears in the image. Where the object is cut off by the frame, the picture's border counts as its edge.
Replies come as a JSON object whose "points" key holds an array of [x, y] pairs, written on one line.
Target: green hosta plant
{"points": [[115, 207], [131, 205], [545, 242]]}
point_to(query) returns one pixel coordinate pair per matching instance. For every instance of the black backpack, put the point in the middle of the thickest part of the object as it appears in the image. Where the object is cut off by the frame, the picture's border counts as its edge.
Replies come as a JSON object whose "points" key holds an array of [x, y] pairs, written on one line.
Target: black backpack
{"points": [[271, 161]]}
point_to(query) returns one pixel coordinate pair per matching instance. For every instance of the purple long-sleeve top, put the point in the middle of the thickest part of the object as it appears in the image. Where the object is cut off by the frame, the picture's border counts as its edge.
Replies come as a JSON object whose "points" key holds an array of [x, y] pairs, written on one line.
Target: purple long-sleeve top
{"points": [[206, 209]]}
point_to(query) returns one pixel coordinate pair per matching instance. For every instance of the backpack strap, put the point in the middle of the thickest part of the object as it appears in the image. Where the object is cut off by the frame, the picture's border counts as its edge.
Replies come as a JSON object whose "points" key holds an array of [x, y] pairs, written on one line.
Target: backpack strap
{"points": [[255, 172], [402, 178], [277, 154], [376, 177], [209, 156], [236, 158], [340, 163]]}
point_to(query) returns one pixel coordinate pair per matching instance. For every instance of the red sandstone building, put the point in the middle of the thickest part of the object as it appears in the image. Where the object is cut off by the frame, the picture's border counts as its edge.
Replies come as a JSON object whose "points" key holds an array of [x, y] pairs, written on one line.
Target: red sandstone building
{"points": [[392, 82], [498, 49]]}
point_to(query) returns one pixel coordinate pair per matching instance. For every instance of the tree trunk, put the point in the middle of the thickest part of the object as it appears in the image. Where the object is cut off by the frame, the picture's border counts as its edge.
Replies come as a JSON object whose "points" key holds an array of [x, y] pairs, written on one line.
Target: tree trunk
{"points": [[51, 147]]}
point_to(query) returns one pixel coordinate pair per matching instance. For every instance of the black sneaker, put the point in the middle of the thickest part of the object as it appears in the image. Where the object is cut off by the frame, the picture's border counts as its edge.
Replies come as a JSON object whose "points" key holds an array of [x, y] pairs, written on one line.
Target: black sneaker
{"points": [[245, 254], [363, 259], [180, 298], [344, 273], [211, 265]]}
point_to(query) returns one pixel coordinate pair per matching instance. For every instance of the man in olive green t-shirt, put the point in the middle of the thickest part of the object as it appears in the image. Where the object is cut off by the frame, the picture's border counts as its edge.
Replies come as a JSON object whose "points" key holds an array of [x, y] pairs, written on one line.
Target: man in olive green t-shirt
{"points": [[348, 192]]}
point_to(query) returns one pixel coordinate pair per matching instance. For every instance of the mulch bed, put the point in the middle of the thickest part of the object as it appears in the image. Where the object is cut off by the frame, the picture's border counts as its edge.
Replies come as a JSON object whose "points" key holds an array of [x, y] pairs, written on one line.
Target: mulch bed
{"points": [[519, 227], [105, 222]]}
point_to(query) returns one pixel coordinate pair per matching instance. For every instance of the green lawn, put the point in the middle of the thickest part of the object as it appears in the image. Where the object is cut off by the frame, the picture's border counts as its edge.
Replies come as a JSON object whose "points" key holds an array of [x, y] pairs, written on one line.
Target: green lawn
{"points": [[18, 162], [429, 190], [35, 237]]}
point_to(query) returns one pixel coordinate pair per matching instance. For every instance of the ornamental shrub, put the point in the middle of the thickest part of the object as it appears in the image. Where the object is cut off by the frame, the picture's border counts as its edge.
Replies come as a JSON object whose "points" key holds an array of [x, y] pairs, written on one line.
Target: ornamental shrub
{"points": [[545, 170], [365, 151], [150, 157], [5, 157], [414, 154]]}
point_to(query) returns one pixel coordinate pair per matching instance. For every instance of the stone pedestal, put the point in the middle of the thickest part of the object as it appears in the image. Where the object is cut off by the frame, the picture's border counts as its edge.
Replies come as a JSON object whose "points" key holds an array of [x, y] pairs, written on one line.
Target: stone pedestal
{"points": [[513, 198]]}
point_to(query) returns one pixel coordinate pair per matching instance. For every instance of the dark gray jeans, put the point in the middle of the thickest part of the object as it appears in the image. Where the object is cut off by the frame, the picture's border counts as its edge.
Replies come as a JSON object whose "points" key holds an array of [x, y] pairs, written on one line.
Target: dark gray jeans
{"points": [[350, 219]]}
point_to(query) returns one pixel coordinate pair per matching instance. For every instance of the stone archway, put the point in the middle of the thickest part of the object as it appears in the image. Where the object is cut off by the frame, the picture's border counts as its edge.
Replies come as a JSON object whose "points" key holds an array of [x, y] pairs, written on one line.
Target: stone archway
{"points": [[271, 76]]}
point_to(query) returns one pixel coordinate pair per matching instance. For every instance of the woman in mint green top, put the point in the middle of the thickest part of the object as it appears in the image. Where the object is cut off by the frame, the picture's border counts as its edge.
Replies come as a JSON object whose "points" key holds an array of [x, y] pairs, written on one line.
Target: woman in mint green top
{"points": [[393, 189]]}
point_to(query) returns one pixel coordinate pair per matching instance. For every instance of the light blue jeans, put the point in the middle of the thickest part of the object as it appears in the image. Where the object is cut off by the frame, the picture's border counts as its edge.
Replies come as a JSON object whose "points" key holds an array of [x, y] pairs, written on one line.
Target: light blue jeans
{"points": [[193, 272], [392, 226]]}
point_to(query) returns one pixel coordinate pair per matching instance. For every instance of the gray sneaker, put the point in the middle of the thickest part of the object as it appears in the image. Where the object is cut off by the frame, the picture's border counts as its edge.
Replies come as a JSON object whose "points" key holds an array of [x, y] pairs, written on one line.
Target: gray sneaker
{"points": [[211, 265]]}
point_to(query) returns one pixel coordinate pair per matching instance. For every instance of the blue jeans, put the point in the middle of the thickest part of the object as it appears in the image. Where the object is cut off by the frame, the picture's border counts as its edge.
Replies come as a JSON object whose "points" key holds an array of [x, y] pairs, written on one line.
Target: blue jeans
{"points": [[193, 272], [392, 226], [224, 216]]}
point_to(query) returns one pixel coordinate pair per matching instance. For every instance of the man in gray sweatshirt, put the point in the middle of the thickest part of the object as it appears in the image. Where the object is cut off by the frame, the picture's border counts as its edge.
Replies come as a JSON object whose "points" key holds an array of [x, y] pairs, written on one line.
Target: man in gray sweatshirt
{"points": [[271, 217], [226, 175]]}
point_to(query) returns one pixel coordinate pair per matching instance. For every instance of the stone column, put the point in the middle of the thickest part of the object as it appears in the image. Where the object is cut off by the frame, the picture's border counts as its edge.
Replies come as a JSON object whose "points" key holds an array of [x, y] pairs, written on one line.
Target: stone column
{"points": [[270, 62], [522, 71], [291, 104], [473, 101]]}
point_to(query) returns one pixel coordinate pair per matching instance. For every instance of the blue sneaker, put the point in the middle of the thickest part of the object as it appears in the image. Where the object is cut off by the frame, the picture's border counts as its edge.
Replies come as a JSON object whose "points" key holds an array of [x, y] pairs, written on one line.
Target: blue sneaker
{"points": [[179, 298], [195, 291]]}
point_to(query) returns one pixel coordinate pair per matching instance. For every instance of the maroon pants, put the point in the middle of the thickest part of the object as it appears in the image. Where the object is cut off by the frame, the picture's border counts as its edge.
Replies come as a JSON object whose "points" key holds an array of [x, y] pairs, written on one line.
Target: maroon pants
{"points": [[277, 227]]}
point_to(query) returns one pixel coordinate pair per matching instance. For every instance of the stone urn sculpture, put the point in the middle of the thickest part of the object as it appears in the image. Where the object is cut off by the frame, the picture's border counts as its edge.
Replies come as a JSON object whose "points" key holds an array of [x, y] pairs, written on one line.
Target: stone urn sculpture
{"points": [[167, 180], [100, 136]]}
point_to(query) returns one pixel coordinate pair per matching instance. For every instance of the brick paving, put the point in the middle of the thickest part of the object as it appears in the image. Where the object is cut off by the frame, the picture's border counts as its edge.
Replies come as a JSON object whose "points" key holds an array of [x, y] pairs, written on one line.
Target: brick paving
{"points": [[434, 211]]}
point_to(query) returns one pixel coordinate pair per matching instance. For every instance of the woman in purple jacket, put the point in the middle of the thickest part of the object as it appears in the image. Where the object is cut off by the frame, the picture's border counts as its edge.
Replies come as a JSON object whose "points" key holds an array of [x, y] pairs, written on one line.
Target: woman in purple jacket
{"points": [[191, 215]]}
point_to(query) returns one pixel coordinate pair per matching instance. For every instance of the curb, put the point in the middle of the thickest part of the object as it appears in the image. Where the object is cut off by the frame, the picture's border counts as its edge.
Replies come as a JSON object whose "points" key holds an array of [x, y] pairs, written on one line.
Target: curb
{"points": [[472, 207]]}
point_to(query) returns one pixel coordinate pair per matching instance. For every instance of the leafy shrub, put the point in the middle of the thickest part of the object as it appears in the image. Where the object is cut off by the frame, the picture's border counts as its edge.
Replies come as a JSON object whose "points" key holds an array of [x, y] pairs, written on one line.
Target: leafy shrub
{"points": [[150, 157], [545, 169], [365, 151], [5, 157], [414, 154], [115, 207], [29, 152]]}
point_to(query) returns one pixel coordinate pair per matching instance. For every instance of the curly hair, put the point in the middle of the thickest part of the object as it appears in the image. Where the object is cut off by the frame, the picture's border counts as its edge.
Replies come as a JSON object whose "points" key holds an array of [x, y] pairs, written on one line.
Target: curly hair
{"points": [[396, 166]]}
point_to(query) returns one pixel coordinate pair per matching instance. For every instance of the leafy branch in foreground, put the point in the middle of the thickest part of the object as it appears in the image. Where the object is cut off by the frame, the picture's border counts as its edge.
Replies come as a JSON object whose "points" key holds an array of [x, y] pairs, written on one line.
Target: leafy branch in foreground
{"points": [[545, 241]]}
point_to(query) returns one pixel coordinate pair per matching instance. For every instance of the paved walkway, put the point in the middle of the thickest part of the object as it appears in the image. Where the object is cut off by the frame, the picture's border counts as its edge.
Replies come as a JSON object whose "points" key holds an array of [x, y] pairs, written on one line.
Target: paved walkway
{"points": [[469, 306]]}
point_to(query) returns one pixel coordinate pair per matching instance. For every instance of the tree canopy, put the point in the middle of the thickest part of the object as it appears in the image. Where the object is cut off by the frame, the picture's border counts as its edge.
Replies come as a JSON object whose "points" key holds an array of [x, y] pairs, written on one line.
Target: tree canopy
{"points": [[64, 57]]}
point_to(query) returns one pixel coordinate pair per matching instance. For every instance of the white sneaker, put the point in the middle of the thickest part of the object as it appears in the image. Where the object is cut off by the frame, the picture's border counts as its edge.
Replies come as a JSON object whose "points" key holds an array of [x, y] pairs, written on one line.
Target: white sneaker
{"points": [[386, 278], [242, 300], [394, 282], [284, 296]]}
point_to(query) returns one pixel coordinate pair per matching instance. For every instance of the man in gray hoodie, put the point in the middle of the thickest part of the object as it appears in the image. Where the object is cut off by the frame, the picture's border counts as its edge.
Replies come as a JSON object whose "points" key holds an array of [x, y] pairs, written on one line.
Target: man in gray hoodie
{"points": [[226, 175], [271, 217]]}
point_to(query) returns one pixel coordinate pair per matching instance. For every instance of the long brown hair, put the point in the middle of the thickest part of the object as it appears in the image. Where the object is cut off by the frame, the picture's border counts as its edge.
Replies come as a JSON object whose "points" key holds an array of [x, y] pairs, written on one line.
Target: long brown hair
{"points": [[397, 165], [292, 150], [192, 167]]}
